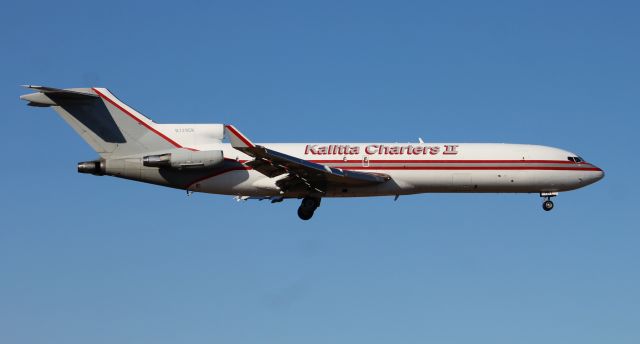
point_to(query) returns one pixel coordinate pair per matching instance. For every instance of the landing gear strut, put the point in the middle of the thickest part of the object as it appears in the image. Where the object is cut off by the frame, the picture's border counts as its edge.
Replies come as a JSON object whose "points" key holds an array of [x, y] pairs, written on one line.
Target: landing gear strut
{"points": [[308, 207], [547, 204]]}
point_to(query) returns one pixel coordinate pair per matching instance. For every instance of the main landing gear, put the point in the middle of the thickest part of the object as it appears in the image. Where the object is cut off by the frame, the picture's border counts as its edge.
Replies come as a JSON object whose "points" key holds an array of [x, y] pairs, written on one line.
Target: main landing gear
{"points": [[547, 204], [307, 207]]}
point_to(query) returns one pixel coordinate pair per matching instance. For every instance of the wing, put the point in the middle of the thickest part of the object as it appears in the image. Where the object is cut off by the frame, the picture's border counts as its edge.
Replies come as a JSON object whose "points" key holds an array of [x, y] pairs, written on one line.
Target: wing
{"points": [[301, 174]]}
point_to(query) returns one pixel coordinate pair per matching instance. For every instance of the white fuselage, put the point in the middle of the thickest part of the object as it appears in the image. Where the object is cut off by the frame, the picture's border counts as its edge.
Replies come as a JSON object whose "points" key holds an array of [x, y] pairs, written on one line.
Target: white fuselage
{"points": [[193, 157], [416, 168]]}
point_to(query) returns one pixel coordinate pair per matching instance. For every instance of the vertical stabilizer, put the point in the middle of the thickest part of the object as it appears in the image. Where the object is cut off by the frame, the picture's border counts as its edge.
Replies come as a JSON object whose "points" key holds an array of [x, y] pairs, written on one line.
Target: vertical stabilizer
{"points": [[108, 125]]}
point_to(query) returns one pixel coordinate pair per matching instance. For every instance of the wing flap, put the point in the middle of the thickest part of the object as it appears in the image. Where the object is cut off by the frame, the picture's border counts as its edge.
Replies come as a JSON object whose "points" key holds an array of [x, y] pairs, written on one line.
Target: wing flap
{"points": [[301, 173]]}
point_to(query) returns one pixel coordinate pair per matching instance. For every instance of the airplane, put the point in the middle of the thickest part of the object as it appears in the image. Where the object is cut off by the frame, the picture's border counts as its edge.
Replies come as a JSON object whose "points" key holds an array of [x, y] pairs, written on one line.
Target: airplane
{"points": [[193, 157]]}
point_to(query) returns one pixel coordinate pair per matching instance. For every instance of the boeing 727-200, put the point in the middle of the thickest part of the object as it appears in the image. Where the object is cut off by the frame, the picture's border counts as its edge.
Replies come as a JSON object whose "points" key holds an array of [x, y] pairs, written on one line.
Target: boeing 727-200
{"points": [[193, 157]]}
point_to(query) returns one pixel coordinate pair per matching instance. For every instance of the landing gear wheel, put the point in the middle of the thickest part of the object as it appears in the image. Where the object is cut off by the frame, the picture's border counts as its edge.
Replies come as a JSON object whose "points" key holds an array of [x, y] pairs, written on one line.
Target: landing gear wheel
{"points": [[308, 207], [304, 214], [546, 196]]}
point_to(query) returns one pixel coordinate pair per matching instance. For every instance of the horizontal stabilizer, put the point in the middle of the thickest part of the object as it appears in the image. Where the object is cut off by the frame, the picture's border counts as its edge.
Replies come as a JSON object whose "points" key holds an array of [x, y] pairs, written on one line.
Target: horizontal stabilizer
{"points": [[47, 96]]}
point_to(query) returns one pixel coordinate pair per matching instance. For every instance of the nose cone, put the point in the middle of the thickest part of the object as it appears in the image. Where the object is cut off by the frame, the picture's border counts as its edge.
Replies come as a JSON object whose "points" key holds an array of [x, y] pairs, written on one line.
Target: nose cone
{"points": [[597, 174]]}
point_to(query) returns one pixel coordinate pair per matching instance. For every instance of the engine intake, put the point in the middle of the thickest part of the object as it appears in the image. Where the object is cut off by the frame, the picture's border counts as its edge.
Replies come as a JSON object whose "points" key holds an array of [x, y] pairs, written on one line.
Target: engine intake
{"points": [[181, 159]]}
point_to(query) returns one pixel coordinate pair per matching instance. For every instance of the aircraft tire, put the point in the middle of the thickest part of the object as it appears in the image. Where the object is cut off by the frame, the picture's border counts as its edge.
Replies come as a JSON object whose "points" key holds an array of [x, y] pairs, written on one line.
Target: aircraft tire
{"points": [[305, 214], [547, 205], [310, 203]]}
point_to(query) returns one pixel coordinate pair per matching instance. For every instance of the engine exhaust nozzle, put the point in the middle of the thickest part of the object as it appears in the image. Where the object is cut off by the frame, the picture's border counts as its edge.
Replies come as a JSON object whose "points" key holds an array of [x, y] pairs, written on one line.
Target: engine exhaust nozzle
{"points": [[94, 167]]}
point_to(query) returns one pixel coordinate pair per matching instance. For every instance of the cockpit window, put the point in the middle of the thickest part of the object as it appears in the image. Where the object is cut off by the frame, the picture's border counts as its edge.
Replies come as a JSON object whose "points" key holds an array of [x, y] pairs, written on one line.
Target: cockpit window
{"points": [[575, 159]]}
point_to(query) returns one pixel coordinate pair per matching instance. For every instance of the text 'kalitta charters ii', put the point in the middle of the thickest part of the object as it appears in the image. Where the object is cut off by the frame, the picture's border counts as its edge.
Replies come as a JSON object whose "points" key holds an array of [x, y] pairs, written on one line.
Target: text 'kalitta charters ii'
{"points": [[380, 149]]}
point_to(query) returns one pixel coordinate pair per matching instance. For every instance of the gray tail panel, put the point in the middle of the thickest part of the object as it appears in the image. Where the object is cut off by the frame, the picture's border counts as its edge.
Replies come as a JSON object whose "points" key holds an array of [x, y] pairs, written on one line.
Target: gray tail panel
{"points": [[109, 126]]}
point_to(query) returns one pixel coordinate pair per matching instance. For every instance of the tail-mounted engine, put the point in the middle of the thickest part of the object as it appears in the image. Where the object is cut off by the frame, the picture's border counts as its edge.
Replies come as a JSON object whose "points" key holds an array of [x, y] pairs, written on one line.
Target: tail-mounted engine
{"points": [[182, 159], [149, 168]]}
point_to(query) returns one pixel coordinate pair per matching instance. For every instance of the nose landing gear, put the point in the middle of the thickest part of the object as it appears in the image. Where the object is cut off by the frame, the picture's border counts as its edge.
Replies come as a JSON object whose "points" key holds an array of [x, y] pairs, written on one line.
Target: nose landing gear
{"points": [[547, 204], [308, 207]]}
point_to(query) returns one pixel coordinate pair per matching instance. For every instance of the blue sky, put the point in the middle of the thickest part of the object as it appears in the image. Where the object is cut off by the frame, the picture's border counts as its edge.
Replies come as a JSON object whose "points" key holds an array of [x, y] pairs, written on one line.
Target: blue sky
{"points": [[87, 259]]}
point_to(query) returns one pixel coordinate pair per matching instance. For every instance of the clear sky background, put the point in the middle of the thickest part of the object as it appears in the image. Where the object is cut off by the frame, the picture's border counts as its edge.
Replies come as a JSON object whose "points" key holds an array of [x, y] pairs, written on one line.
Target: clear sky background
{"points": [[87, 259]]}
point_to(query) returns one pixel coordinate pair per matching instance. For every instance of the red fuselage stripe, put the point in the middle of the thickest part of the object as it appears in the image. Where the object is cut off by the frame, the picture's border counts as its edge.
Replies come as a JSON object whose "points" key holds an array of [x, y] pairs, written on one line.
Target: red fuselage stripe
{"points": [[414, 168], [450, 161], [495, 168]]}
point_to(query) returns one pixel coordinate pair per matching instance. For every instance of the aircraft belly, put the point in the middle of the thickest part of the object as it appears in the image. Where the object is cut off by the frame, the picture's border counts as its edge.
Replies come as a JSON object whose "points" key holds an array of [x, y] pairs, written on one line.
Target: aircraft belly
{"points": [[252, 183], [238, 182], [489, 181]]}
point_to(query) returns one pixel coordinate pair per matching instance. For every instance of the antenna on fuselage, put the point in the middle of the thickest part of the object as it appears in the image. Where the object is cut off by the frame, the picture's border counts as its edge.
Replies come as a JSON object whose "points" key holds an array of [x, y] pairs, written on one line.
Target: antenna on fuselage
{"points": [[420, 140]]}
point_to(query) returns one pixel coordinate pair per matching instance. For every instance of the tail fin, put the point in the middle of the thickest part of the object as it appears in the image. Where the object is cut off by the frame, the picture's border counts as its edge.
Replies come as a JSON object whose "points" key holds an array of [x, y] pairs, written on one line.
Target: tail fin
{"points": [[109, 126]]}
